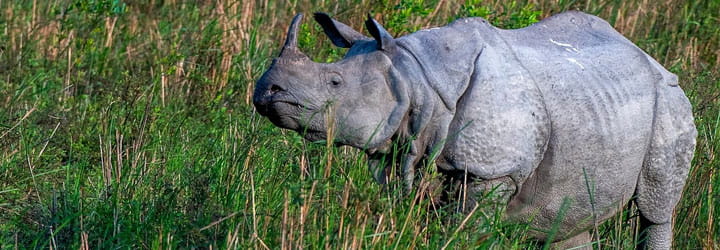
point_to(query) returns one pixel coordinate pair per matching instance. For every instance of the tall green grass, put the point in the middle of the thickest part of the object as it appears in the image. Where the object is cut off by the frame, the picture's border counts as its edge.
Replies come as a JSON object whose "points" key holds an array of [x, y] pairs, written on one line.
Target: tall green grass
{"points": [[128, 124]]}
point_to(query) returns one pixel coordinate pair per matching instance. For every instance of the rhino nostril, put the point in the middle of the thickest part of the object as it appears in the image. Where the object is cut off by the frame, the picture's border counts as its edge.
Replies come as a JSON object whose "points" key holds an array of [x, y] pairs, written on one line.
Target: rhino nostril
{"points": [[275, 88]]}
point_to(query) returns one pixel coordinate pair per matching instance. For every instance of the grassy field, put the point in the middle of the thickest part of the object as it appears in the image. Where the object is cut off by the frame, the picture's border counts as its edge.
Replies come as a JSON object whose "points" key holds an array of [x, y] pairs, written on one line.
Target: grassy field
{"points": [[128, 124]]}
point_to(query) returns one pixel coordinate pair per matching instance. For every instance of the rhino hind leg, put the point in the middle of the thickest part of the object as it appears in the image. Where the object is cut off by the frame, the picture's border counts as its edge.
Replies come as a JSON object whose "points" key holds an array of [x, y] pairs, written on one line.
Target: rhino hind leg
{"points": [[665, 169], [660, 185], [655, 236]]}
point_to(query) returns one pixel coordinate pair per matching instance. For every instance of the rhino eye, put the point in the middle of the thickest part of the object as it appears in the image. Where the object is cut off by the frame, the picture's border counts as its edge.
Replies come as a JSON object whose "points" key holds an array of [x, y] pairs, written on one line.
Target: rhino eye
{"points": [[335, 80], [332, 78]]}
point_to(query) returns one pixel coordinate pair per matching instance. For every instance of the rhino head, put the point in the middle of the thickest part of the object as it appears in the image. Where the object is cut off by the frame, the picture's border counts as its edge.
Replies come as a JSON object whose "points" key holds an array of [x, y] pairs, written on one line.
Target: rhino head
{"points": [[361, 96]]}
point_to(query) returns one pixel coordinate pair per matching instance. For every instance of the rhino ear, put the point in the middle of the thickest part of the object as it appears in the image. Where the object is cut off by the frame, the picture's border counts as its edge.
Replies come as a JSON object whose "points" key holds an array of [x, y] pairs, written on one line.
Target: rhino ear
{"points": [[383, 38], [340, 34]]}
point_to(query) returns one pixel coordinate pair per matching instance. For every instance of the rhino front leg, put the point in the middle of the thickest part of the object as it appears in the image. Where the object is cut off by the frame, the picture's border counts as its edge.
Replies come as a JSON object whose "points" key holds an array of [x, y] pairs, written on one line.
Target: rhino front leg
{"points": [[493, 193], [408, 171], [379, 169], [410, 164]]}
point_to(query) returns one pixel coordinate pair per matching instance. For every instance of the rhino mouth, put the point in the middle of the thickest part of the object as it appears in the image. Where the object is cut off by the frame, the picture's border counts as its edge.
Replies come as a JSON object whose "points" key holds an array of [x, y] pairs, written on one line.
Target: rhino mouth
{"points": [[281, 107], [292, 103], [292, 115]]}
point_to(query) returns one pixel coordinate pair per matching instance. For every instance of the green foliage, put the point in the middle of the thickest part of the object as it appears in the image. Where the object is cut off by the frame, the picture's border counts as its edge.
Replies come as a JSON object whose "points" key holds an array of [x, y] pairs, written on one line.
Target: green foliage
{"points": [[474, 8], [101, 7], [523, 17], [400, 19], [512, 16]]}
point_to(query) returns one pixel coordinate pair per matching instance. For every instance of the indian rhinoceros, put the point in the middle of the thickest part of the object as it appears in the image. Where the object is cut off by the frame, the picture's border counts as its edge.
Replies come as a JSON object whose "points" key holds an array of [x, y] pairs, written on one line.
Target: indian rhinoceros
{"points": [[567, 114]]}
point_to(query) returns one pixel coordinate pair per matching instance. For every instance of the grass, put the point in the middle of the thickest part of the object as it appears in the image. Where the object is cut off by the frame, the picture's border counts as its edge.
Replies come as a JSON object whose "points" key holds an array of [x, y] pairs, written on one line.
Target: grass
{"points": [[128, 124]]}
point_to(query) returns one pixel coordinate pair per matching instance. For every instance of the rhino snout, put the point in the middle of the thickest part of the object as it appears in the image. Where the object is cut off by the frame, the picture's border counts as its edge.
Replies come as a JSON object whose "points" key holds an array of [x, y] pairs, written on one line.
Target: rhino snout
{"points": [[273, 101], [265, 92]]}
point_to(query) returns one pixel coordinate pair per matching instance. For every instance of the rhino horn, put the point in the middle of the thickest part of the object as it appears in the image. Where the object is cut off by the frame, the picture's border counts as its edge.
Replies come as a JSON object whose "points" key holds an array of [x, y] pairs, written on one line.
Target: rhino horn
{"points": [[290, 50]]}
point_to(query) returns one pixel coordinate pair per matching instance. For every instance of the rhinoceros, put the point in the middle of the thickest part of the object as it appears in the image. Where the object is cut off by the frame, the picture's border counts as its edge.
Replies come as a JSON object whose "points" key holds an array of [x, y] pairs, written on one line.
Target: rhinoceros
{"points": [[566, 114]]}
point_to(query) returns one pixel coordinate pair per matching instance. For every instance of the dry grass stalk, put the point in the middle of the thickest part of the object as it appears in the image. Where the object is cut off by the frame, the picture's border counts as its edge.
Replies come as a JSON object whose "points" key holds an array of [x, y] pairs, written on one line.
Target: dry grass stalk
{"points": [[284, 244], [109, 27]]}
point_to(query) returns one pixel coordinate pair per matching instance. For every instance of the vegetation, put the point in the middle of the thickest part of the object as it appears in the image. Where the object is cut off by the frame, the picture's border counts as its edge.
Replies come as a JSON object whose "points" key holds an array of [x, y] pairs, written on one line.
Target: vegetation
{"points": [[128, 124]]}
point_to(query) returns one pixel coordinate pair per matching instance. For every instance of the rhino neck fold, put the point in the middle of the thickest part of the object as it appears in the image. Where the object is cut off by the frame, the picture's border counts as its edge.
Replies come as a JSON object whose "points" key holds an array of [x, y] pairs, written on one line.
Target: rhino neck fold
{"points": [[438, 73], [433, 89], [382, 138]]}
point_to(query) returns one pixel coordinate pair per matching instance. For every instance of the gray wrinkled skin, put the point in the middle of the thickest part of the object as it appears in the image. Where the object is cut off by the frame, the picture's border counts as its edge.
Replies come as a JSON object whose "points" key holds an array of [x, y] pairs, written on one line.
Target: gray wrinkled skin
{"points": [[567, 114]]}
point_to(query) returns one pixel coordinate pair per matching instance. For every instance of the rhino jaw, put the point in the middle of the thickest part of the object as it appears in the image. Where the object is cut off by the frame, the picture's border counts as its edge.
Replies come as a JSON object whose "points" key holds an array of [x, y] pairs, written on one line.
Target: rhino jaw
{"points": [[292, 116]]}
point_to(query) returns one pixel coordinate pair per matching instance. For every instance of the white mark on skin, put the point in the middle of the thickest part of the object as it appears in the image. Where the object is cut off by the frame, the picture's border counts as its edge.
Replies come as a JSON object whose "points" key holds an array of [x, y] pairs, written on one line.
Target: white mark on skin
{"points": [[572, 60], [569, 48], [561, 44], [426, 30]]}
